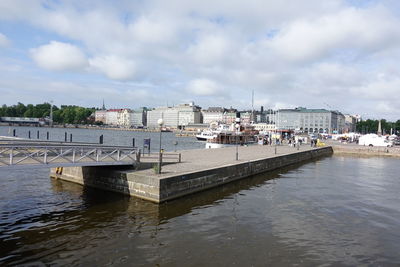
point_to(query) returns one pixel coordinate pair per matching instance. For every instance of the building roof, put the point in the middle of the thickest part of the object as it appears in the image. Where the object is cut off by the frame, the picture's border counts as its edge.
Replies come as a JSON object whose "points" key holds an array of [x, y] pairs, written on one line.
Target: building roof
{"points": [[214, 109], [305, 110]]}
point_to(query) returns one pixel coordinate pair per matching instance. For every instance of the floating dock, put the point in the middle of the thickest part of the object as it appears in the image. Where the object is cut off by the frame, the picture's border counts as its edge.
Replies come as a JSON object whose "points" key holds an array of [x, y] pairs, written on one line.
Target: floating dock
{"points": [[199, 170]]}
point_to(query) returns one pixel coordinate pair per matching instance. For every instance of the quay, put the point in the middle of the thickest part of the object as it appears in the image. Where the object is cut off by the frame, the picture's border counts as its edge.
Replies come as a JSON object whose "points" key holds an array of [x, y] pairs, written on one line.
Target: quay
{"points": [[356, 150], [199, 170]]}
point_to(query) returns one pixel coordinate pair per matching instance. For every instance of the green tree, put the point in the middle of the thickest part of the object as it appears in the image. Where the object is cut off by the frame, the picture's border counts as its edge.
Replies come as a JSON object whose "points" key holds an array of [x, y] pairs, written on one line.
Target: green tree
{"points": [[57, 116], [20, 109]]}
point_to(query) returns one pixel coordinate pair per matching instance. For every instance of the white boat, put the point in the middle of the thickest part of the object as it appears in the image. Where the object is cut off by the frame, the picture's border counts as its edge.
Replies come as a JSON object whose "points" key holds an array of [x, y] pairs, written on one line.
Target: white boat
{"points": [[213, 132], [205, 135], [226, 139]]}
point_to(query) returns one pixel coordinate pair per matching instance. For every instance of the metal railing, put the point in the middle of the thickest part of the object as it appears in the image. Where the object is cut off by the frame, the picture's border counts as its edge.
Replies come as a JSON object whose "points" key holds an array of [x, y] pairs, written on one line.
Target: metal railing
{"points": [[66, 155], [166, 157]]}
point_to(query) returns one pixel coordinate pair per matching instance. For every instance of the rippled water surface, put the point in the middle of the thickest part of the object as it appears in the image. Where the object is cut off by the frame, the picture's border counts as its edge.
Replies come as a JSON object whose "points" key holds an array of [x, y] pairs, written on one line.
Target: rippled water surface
{"points": [[334, 211], [170, 141]]}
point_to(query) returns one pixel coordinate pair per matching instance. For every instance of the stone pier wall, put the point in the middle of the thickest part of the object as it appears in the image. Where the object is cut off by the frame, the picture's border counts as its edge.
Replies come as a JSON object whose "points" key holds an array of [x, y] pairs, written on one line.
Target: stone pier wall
{"points": [[192, 182], [159, 189]]}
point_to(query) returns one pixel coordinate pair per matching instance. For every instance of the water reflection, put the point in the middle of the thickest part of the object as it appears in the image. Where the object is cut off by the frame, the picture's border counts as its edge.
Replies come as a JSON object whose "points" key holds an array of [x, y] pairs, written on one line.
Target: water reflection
{"points": [[334, 211]]}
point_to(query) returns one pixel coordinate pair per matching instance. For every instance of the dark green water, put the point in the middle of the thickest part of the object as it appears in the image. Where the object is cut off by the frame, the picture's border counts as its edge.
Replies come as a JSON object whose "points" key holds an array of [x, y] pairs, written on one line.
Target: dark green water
{"points": [[339, 211]]}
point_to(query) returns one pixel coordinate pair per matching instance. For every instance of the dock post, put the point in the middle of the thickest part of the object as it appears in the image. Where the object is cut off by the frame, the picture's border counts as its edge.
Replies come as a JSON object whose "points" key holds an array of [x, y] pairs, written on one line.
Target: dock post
{"points": [[180, 157], [37, 134], [133, 142], [65, 137], [70, 138], [101, 140], [14, 133], [137, 163], [47, 136], [29, 134]]}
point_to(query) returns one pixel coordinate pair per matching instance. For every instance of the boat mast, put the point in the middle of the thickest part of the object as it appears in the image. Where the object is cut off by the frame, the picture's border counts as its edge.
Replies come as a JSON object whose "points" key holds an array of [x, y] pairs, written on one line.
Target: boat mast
{"points": [[252, 106]]}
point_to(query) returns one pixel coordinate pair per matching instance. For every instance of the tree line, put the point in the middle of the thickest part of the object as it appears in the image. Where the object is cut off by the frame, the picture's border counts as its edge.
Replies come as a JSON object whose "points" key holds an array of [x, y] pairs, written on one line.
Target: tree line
{"points": [[63, 115], [371, 126]]}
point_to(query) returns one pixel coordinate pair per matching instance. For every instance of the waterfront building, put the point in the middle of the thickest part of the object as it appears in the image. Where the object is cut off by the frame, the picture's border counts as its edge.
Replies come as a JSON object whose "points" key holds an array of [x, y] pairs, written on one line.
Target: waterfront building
{"points": [[229, 116], [246, 117], [219, 115], [311, 120], [112, 116], [174, 117], [350, 123], [213, 114], [139, 117], [124, 118], [100, 116], [264, 116]]}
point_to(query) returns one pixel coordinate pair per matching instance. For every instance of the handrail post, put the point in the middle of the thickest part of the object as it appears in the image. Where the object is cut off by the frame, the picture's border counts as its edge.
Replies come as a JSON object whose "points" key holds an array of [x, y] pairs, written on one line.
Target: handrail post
{"points": [[45, 155], [11, 156], [138, 156]]}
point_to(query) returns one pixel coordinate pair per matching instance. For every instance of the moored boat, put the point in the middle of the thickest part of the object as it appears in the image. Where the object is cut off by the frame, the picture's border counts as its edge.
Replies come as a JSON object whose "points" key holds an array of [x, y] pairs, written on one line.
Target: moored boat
{"points": [[231, 139], [211, 133], [206, 135]]}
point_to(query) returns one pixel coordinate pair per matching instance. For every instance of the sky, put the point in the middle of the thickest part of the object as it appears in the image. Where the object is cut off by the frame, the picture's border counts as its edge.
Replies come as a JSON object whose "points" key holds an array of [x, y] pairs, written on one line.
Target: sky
{"points": [[335, 54]]}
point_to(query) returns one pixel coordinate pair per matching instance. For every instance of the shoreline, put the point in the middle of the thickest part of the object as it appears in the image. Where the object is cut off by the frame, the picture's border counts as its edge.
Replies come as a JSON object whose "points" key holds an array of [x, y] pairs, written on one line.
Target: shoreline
{"points": [[183, 133]]}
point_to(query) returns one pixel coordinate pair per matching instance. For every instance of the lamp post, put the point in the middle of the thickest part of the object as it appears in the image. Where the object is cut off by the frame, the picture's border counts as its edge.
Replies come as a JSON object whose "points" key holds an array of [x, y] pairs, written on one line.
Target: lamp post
{"points": [[160, 123], [51, 113], [237, 126]]}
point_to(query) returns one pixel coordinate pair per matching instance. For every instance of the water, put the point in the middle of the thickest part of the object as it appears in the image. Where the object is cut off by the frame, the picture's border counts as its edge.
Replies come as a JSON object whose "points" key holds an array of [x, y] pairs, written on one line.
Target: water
{"points": [[334, 211], [111, 137]]}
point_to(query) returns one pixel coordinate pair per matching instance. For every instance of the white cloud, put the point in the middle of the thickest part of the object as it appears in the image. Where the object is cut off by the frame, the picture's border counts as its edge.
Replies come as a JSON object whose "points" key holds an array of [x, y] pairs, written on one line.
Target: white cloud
{"points": [[292, 53], [59, 56], [203, 87], [379, 88], [4, 41], [150, 30], [363, 30], [114, 67], [211, 50]]}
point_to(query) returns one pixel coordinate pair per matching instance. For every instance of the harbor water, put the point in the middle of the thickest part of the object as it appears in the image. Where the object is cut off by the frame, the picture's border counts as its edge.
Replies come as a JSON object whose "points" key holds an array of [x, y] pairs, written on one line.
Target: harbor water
{"points": [[169, 140], [341, 211]]}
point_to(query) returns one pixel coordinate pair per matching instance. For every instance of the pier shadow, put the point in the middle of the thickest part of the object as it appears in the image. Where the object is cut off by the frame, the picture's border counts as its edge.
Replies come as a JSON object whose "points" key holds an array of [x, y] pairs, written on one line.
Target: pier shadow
{"points": [[186, 204]]}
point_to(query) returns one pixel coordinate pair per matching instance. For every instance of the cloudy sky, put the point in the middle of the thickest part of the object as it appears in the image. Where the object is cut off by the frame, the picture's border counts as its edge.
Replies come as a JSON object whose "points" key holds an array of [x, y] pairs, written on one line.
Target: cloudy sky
{"points": [[334, 54]]}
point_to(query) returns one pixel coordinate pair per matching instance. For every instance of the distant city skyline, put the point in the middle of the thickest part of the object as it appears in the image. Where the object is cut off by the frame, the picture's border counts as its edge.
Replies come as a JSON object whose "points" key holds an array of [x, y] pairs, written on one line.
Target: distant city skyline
{"points": [[337, 55]]}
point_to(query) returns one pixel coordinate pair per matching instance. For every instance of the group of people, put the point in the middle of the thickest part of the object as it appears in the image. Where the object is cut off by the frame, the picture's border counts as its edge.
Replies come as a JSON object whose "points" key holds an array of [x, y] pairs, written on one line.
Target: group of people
{"points": [[314, 142]]}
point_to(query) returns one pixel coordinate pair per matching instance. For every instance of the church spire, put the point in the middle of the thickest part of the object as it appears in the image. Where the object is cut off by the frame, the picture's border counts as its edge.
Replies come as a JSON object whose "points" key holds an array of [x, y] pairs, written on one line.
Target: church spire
{"points": [[104, 107]]}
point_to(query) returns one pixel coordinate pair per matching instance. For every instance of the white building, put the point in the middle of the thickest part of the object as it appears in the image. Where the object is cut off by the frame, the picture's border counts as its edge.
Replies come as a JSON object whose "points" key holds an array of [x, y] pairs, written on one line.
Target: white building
{"points": [[213, 114], [229, 116], [174, 117], [112, 116], [311, 120], [100, 116], [139, 117], [124, 118], [245, 117], [219, 115]]}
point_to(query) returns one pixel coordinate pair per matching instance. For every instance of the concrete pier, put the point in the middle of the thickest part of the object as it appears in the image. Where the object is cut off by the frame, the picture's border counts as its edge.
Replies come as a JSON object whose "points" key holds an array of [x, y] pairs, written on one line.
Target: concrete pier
{"points": [[199, 170]]}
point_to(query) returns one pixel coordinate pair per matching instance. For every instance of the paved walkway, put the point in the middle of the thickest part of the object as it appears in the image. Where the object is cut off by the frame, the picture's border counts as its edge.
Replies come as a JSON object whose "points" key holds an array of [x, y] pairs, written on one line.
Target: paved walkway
{"points": [[203, 159]]}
